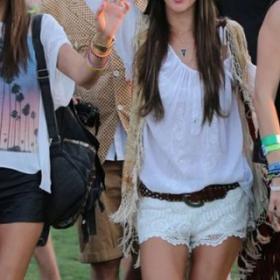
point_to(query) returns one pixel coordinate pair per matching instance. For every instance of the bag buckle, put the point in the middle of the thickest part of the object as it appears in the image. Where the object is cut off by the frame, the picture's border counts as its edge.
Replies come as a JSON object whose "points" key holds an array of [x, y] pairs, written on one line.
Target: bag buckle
{"points": [[43, 74]]}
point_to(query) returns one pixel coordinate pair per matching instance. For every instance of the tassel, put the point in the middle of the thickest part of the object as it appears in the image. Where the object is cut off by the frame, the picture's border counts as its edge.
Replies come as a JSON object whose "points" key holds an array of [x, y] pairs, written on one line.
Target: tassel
{"points": [[260, 257]]}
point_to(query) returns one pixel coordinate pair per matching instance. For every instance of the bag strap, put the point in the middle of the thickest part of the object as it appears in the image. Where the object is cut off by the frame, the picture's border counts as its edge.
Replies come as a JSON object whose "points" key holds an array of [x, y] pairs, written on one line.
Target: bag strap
{"points": [[43, 79]]}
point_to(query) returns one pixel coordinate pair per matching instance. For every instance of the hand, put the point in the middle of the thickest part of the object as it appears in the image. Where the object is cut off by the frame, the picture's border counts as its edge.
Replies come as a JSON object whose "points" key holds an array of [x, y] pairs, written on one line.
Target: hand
{"points": [[274, 206], [110, 16], [76, 100]]}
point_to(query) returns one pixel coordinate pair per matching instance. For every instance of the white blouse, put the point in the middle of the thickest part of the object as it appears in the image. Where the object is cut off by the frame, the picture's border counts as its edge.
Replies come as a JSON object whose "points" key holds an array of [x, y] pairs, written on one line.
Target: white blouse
{"points": [[180, 155]]}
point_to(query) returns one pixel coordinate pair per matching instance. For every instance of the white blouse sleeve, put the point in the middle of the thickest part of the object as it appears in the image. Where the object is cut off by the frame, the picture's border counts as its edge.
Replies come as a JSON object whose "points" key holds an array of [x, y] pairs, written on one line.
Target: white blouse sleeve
{"points": [[53, 38]]}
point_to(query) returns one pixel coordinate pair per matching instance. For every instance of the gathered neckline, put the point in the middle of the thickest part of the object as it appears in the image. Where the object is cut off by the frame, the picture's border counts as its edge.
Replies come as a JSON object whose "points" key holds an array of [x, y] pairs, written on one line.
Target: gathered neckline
{"points": [[186, 66]]}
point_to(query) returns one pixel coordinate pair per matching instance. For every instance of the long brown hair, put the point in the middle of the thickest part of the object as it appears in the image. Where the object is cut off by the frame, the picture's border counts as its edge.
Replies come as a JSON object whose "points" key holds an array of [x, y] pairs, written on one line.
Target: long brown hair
{"points": [[15, 49], [208, 51]]}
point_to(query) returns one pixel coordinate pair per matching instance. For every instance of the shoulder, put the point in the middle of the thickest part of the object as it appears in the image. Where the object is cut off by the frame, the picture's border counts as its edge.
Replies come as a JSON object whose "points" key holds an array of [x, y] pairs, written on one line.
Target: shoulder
{"points": [[272, 19], [234, 26], [48, 22], [52, 33]]}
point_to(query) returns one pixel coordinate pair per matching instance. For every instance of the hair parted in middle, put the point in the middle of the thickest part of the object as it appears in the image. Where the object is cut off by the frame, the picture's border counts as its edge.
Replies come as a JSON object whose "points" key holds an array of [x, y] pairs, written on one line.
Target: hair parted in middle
{"points": [[151, 54]]}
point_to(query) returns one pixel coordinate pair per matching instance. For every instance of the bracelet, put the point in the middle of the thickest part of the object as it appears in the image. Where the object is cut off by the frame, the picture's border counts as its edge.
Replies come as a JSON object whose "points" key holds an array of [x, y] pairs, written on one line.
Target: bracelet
{"points": [[270, 140], [99, 54], [275, 188], [272, 176], [275, 166], [98, 39], [101, 48], [91, 64], [271, 148]]}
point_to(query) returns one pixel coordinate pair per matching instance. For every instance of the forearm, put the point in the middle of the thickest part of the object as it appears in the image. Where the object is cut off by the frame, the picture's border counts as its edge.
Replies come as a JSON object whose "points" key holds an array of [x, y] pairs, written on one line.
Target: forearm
{"points": [[267, 80], [85, 69], [268, 121]]}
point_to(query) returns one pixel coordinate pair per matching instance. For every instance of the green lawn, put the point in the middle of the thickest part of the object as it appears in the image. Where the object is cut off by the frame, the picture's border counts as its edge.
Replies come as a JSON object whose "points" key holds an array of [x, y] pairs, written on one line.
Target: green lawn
{"points": [[67, 251]]}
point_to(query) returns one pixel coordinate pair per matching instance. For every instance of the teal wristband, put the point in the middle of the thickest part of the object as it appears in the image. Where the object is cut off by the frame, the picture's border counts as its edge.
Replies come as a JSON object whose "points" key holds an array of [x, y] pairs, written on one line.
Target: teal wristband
{"points": [[271, 140], [272, 148]]}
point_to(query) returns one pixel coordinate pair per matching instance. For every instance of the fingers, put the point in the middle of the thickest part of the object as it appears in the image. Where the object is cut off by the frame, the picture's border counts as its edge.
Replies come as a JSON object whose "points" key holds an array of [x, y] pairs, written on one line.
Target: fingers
{"points": [[274, 214], [119, 3], [127, 6], [101, 8]]}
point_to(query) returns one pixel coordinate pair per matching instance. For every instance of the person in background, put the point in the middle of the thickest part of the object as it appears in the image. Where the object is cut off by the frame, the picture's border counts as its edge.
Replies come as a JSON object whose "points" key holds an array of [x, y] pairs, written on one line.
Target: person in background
{"points": [[46, 260], [112, 96], [262, 253], [24, 143]]}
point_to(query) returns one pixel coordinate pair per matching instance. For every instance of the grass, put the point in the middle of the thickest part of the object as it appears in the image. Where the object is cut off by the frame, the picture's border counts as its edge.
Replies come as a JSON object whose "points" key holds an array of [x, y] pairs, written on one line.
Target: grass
{"points": [[67, 251]]}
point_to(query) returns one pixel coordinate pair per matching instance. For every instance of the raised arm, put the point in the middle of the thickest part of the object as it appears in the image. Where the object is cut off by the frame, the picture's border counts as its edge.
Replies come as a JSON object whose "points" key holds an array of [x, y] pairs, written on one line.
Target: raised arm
{"points": [[267, 82], [85, 70]]}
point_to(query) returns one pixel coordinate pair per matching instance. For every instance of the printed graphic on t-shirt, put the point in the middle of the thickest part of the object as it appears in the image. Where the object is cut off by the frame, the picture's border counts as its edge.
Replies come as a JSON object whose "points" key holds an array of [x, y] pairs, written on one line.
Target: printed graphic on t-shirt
{"points": [[19, 110]]}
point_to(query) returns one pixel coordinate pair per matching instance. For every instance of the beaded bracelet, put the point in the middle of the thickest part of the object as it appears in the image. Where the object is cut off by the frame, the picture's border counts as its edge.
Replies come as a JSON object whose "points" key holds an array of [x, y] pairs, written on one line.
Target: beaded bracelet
{"points": [[275, 166], [270, 140]]}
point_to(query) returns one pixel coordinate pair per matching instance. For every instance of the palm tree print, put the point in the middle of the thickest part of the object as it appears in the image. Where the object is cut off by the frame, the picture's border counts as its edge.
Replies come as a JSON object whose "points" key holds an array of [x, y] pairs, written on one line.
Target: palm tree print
{"points": [[19, 99], [19, 108], [26, 112]]}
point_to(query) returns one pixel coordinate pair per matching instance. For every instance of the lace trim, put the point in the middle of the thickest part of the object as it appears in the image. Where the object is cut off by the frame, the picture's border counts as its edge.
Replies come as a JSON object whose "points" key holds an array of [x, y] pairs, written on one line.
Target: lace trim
{"points": [[204, 242], [219, 239]]}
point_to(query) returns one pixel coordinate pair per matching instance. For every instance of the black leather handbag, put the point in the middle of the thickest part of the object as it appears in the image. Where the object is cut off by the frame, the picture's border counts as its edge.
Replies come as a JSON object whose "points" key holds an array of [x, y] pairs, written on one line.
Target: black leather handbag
{"points": [[76, 173]]}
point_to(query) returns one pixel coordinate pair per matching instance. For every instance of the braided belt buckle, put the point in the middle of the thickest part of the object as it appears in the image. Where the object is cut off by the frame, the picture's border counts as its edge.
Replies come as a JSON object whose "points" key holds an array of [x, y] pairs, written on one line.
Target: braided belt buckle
{"points": [[190, 203]]}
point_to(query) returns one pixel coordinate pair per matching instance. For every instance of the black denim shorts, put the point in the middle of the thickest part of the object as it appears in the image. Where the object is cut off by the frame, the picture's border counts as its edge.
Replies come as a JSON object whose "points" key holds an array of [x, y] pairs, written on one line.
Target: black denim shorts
{"points": [[21, 200]]}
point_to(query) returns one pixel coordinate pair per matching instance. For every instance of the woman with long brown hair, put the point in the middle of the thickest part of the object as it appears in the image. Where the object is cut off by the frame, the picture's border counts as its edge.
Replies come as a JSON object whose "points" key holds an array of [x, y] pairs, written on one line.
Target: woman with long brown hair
{"points": [[187, 179], [24, 146]]}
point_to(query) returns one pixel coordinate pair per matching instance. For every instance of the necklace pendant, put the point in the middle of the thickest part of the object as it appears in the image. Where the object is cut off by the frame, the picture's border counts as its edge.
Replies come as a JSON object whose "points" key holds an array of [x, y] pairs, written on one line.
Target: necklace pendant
{"points": [[184, 52]]}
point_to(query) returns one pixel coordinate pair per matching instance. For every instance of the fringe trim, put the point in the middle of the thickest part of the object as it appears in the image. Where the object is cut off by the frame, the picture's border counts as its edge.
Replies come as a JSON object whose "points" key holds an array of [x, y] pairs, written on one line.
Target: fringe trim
{"points": [[126, 214], [260, 259]]}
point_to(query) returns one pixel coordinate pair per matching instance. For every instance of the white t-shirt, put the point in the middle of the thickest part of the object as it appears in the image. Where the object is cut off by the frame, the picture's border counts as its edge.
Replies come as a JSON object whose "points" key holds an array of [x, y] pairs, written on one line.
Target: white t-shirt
{"points": [[24, 141]]}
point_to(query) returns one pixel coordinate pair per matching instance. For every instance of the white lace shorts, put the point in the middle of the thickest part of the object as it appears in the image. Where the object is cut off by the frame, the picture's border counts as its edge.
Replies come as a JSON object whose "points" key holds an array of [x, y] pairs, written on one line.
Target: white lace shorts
{"points": [[179, 224]]}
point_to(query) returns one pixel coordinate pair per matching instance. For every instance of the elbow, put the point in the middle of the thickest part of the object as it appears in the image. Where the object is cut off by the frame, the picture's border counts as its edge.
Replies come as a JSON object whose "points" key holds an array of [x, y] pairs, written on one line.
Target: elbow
{"points": [[86, 83]]}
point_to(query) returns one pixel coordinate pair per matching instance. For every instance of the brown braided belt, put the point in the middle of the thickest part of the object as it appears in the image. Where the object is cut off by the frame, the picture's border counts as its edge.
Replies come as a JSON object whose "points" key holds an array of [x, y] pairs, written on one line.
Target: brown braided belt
{"points": [[196, 199]]}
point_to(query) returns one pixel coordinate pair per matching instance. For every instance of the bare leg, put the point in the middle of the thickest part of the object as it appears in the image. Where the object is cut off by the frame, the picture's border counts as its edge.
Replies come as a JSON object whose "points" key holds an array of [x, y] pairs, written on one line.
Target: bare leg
{"points": [[130, 272], [17, 243], [106, 270], [45, 257], [162, 261], [215, 263]]}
